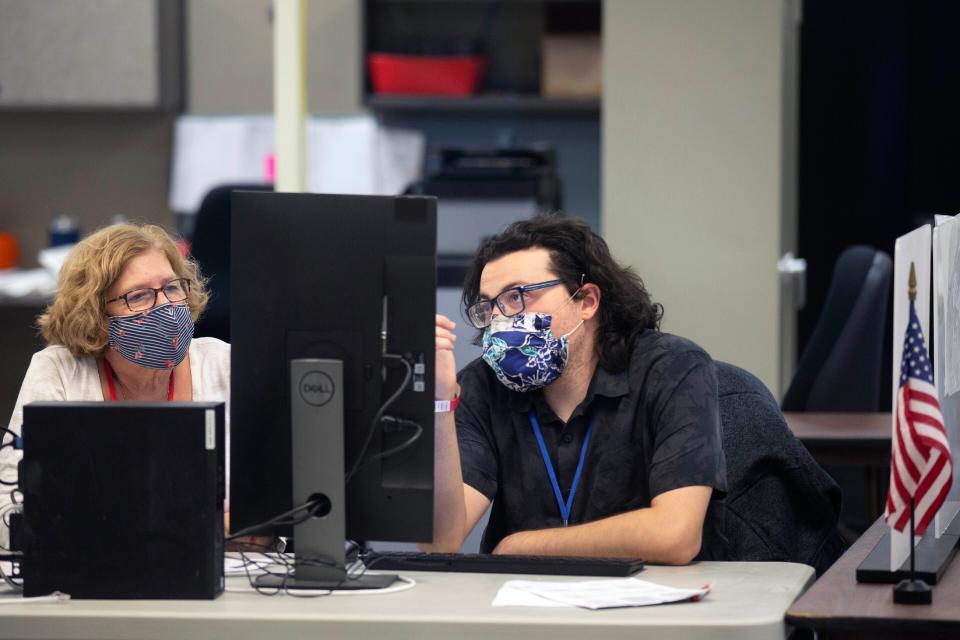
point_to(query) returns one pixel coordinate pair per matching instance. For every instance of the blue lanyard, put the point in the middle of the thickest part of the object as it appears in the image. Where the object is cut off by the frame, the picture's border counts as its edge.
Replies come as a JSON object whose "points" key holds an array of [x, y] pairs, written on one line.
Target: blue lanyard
{"points": [[564, 506]]}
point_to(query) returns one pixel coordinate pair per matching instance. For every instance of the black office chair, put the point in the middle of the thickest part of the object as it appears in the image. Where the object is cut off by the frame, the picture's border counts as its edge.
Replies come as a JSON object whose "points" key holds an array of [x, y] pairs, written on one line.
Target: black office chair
{"points": [[841, 367], [780, 504], [211, 248]]}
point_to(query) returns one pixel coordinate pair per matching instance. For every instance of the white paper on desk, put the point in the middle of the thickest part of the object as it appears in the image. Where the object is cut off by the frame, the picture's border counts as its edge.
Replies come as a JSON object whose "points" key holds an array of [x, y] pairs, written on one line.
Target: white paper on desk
{"points": [[243, 566], [508, 596], [593, 594]]}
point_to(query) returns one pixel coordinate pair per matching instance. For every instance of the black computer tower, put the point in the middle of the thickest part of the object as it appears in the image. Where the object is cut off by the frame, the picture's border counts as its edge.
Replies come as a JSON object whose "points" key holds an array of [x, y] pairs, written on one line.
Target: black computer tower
{"points": [[123, 500]]}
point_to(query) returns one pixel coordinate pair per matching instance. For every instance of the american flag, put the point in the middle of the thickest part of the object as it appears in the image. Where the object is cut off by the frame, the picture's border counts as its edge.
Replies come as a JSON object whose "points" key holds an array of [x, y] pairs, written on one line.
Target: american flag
{"points": [[921, 467]]}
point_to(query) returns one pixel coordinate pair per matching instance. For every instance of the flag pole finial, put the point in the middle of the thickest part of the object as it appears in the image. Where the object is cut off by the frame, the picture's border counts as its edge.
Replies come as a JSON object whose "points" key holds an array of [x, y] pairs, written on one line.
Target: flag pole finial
{"points": [[912, 291]]}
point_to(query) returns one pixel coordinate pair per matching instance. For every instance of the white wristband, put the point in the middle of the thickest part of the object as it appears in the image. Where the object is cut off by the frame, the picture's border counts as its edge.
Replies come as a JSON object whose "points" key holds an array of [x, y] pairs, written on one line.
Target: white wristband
{"points": [[443, 406]]}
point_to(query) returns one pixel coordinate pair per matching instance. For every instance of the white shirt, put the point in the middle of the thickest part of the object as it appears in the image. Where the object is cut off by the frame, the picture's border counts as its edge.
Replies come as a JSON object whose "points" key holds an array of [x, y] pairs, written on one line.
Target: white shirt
{"points": [[55, 374]]}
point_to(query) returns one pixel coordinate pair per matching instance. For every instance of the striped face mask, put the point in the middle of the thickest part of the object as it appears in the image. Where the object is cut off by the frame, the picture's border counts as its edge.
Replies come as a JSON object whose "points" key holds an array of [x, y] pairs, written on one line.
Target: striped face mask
{"points": [[157, 338]]}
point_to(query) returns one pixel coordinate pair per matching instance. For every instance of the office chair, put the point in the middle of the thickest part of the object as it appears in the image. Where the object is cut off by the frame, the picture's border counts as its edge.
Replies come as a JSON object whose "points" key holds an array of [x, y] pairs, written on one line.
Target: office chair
{"points": [[841, 367], [780, 504], [211, 248]]}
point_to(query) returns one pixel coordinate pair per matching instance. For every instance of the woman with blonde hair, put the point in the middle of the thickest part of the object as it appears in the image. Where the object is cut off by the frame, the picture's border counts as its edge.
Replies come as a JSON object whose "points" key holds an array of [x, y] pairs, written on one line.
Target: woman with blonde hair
{"points": [[121, 328]]}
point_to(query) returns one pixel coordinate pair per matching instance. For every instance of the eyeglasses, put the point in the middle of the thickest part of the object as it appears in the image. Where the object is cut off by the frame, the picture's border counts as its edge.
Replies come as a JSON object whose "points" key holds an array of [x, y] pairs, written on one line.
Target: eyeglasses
{"points": [[143, 299], [510, 302]]}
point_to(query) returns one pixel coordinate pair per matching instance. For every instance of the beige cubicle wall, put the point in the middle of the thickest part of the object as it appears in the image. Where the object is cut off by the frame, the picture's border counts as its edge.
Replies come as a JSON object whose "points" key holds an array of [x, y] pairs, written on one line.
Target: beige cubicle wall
{"points": [[91, 165], [698, 169]]}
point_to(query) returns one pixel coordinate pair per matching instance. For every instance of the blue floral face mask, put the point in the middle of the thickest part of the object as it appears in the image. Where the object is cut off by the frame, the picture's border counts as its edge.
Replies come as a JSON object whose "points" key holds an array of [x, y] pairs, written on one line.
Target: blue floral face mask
{"points": [[523, 352], [157, 338]]}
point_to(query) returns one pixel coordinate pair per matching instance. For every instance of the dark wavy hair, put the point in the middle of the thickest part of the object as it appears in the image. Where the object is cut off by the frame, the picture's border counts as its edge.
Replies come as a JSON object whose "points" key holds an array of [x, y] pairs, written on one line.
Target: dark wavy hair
{"points": [[575, 252]]}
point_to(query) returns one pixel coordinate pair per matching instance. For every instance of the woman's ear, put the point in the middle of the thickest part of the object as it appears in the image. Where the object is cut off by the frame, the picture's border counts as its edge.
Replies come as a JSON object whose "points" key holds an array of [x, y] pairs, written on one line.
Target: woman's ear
{"points": [[590, 300], [103, 338]]}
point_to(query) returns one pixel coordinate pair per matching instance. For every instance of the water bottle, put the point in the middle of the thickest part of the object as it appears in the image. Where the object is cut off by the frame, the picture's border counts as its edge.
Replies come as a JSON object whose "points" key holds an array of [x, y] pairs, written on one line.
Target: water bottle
{"points": [[63, 230]]}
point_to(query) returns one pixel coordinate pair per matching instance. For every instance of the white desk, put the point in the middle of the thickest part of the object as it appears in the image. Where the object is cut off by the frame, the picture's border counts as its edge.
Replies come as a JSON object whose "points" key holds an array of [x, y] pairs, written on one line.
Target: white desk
{"points": [[748, 601]]}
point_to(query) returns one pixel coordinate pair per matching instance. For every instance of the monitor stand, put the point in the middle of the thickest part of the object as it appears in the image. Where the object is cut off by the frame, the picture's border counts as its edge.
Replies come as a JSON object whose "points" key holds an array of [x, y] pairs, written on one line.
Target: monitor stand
{"points": [[316, 416]]}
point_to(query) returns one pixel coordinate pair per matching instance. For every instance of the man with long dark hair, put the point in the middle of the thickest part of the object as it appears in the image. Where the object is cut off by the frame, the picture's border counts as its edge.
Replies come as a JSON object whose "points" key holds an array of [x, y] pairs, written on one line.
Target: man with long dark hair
{"points": [[590, 431]]}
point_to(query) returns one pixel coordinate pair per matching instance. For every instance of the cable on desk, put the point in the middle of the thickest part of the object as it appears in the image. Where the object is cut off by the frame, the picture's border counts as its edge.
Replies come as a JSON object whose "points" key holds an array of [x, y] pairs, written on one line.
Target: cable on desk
{"points": [[408, 583], [8, 432], [283, 566], [56, 596]]}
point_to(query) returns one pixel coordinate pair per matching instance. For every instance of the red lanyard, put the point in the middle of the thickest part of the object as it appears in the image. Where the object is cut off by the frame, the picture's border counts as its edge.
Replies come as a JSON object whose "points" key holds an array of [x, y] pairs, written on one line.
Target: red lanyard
{"points": [[113, 392]]}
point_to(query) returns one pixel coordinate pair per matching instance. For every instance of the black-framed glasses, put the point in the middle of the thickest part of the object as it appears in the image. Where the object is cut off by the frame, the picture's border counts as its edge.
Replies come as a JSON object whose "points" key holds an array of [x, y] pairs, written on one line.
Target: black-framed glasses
{"points": [[143, 299], [510, 302]]}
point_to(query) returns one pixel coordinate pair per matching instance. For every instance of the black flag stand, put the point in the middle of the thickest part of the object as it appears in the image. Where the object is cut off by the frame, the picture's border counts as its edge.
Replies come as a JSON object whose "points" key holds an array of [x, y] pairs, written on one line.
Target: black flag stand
{"points": [[912, 590]]}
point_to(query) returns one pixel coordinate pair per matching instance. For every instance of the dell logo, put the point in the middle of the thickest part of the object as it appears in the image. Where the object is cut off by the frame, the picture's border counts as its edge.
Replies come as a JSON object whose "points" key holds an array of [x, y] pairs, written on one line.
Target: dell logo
{"points": [[316, 388]]}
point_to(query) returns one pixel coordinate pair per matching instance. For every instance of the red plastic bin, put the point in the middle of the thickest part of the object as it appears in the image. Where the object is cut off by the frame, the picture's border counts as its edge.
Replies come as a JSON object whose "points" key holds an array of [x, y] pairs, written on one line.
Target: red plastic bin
{"points": [[433, 75]]}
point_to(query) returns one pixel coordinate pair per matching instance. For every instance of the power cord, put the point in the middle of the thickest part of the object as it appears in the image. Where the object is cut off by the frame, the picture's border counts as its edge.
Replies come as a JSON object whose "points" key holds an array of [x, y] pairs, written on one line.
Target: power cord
{"points": [[282, 565], [418, 431], [13, 443], [408, 583], [4, 432], [286, 518], [359, 460]]}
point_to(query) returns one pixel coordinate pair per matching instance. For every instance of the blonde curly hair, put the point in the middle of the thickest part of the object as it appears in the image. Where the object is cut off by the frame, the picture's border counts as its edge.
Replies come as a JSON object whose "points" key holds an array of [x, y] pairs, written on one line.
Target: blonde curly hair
{"points": [[76, 318]]}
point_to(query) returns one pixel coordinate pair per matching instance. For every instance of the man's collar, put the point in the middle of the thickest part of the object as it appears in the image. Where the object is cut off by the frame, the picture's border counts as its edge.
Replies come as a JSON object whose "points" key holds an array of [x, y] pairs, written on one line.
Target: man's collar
{"points": [[521, 401], [610, 384], [604, 383]]}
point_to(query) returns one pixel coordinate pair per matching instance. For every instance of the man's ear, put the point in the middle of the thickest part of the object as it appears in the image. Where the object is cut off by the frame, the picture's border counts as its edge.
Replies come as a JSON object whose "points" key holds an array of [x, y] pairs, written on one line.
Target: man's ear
{"points": [[589, 298]]}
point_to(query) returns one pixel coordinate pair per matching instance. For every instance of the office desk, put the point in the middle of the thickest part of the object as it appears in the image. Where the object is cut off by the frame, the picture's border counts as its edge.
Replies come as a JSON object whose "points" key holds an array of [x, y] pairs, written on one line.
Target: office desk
{"points": [[837, 606], [859, 440], [748, 601], [844, 438]]}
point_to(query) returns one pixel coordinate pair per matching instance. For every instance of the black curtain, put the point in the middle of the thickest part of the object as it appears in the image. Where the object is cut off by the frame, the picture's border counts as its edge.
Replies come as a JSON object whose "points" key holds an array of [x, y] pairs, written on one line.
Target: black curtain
{"points": [[879, 138]]}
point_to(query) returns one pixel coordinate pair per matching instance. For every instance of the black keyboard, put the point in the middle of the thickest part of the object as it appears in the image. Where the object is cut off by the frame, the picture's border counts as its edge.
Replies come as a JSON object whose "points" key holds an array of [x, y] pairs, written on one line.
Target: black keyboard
{"points": [[488, 563]]}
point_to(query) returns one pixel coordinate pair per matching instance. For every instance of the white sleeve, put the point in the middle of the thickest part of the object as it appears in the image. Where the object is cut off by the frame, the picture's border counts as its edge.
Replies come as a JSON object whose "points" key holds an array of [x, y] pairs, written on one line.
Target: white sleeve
{"points": [[43, 381]]}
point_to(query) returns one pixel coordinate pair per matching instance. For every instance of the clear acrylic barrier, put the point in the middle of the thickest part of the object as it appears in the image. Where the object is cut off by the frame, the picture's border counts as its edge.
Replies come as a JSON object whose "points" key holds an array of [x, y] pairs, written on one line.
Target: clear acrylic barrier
{"points": [[946, 347], [912, 248]]}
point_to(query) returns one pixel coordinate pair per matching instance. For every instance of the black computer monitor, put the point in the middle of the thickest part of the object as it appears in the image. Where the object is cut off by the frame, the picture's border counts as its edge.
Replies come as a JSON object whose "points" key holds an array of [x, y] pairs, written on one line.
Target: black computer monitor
{"points": [[317, 280]]}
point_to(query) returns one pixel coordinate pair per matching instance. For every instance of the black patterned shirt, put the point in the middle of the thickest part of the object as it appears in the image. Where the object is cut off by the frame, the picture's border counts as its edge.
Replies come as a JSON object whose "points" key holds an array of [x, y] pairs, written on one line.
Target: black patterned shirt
{"points": [[657, 428]]}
